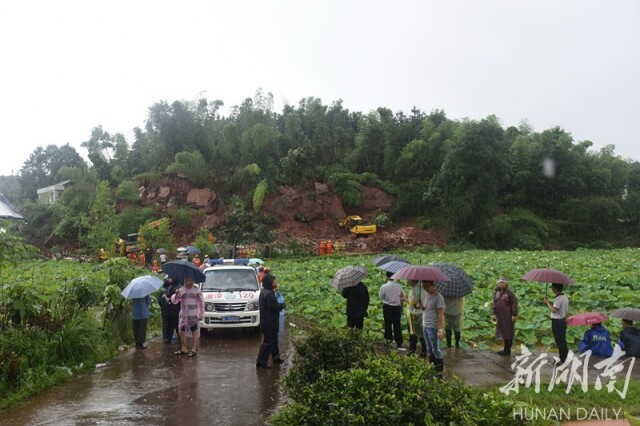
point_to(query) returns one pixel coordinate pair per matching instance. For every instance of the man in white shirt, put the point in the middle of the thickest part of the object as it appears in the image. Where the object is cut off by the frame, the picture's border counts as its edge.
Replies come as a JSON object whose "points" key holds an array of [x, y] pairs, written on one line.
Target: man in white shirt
{"points": [[559, 311], [392, 296]]}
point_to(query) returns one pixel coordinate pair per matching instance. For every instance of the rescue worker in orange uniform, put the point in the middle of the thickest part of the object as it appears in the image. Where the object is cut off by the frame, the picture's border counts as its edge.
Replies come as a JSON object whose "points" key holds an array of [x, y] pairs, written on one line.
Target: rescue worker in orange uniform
{"points": [[329, 247], [323, 248]]}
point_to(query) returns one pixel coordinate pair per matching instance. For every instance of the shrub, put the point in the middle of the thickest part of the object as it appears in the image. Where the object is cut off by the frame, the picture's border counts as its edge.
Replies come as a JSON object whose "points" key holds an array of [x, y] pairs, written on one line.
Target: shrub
{"points": [[182, 217], [326, 350], [347, 188], [338, 377], [127, 191], [77, 340], [382, 220]]}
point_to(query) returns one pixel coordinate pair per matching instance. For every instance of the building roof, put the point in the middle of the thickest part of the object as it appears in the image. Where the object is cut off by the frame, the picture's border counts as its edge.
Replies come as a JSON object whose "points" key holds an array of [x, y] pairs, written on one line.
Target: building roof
{"points": [[8, 210], [57, 187]]}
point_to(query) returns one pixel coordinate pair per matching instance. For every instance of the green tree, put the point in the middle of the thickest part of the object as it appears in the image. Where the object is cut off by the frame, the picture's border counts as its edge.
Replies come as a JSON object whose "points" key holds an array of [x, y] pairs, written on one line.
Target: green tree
{"points": [[466, 190], [43, 167], [101, 146], [101, 229], [193, 166]]}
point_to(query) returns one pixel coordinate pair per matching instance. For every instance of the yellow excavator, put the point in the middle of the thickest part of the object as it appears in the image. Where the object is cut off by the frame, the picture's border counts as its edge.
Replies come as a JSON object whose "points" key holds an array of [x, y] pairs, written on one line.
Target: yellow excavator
{"points": [[135, 242], [356, 227]]}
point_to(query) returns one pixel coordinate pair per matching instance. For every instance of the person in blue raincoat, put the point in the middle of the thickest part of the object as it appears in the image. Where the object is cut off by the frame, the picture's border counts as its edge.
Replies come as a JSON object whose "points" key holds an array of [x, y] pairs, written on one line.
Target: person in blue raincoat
{"points": [[597, 340], [140, 313]]}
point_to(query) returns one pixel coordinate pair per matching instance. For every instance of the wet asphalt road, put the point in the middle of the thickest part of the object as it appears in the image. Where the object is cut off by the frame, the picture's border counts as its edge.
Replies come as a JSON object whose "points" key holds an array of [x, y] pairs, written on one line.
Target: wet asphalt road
{"points": [[220, 386]]}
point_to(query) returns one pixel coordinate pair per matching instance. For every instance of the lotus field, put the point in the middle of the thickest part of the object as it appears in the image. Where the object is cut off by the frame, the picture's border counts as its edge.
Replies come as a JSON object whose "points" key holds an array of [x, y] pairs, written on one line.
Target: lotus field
{"points": [[604, 280]]}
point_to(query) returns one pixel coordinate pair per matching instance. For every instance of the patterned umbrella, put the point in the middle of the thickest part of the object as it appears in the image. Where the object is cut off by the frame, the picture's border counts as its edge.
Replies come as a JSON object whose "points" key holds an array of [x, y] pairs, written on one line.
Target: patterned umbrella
{"points": [[348, 276], [459, 284], [393, 266], [382, 259]]}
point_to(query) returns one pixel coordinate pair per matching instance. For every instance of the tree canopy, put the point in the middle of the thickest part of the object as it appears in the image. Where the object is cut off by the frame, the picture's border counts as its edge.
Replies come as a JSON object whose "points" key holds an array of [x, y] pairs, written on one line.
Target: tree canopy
{"points": [[474, 178]]}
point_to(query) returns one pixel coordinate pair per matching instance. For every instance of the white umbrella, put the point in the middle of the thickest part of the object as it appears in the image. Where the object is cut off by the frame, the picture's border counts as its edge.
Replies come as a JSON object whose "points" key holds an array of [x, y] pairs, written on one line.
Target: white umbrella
{"points": [[141, 287]]}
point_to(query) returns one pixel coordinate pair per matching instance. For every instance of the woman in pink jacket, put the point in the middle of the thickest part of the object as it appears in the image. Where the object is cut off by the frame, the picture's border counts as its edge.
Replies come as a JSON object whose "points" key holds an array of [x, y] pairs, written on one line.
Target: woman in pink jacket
{"points": [[191, 313]]}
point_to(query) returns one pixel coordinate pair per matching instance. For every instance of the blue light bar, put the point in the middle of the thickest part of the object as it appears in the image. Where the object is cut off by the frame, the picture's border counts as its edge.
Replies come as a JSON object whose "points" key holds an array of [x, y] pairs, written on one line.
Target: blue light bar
{"points": [[228, 261]]}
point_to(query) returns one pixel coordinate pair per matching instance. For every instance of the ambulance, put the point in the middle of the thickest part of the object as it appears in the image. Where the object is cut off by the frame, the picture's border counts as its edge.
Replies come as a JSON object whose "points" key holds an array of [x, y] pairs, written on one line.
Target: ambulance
{"points": [[231, 291]]}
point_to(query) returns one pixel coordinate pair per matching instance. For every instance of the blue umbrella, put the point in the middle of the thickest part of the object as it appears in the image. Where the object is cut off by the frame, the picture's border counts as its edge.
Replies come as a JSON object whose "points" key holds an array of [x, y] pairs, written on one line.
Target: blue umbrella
{"points": [[141, 287], [179, 269], [193, 250], [256, 260]]}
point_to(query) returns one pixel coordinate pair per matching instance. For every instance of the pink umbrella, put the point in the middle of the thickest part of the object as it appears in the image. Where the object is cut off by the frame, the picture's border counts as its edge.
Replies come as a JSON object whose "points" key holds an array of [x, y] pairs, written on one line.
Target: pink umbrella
{"points": [[420, 273], [547, 275], [586, 318]]}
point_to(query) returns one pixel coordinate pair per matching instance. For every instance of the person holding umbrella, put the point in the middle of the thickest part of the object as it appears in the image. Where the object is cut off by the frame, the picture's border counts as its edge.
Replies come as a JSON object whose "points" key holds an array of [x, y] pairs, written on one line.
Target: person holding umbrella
{"points": [[629, 339], [559, 310], [597, 340], [170, 311], [191, 313], [392, 297], [433, 323], [505, 314], [453, 318], [415, 308], [140, 314], [629, 336], [357, 304], [138, 291]]}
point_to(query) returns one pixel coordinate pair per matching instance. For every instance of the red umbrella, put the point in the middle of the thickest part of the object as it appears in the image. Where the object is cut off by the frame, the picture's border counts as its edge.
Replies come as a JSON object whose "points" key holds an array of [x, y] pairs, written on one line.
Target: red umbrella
{"points": [[586, 318], [547, 275], [420, 273]]}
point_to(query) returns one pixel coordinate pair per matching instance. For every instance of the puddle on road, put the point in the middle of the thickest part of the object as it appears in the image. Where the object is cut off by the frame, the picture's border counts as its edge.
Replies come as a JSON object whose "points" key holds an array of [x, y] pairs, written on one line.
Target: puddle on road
{"points": [[220, 386]]}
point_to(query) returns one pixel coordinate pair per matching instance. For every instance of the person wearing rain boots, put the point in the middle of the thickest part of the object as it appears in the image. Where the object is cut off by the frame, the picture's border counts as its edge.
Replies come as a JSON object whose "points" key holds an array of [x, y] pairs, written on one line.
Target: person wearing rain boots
{"points": [[453, 318], [433, 324], [505, 314], [415, 309]]}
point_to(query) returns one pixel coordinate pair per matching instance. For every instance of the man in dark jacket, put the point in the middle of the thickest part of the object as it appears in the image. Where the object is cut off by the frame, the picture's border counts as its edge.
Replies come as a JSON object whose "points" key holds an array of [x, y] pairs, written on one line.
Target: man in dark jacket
{"points": [[170, 312], [269, 322], [357, 304], [629, 339]]}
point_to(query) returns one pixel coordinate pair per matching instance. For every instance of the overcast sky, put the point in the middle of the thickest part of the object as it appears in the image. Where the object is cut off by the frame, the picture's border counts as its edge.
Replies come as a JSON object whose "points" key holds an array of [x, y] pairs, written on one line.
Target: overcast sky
{"points": [[69, 66]]}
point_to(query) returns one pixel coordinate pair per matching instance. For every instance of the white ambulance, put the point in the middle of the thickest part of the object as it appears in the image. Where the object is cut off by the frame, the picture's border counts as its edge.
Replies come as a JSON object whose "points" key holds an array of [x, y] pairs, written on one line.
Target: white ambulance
{"points": [[231, 291]]}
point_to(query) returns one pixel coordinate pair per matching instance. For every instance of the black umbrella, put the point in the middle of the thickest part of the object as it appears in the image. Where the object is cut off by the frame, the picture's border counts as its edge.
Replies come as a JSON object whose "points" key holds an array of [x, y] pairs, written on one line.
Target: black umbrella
{"points": [[385, 258], [459, 284], [179, 269], [629, 314]]}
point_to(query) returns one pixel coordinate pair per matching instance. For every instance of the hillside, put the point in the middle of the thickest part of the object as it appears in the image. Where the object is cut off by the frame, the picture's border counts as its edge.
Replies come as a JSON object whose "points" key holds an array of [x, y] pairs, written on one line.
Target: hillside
{"points": [[303, 216]]}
